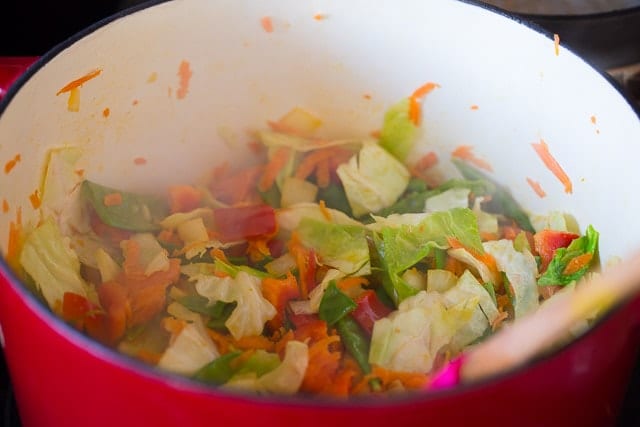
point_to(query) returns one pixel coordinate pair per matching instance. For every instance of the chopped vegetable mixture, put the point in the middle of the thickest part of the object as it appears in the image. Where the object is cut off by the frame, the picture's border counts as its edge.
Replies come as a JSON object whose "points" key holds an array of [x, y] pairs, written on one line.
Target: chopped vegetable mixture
{"points": [[335, 268]]}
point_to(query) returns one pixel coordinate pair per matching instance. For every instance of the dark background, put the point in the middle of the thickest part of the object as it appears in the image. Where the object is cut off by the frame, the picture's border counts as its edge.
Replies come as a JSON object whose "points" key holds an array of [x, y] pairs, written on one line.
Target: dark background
{"points": [[31, 28]]}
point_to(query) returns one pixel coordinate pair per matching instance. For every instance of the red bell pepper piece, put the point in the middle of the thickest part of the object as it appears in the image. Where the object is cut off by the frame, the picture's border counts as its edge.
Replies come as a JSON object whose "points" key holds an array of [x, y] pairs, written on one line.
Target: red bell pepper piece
{"points": [[244, 222], [369, 309], [547, 241]]}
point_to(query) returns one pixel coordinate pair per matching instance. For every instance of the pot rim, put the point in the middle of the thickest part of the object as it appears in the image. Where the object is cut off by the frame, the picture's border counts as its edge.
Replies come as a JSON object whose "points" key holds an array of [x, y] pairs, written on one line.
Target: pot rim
{"points": [[185, 384]]}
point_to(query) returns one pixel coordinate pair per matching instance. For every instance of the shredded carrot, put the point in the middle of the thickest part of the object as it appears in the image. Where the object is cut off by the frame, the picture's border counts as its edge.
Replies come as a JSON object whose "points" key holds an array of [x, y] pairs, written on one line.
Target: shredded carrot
{"points": [[106, 112], [319, 16], [497, 322], [475, 107], [304, 262], [135, 102], [112, 199], [323, 368], [542, 149], [313, 162], [486, 258], [455, 266], [79, 172], [277, 162], [80, 81], [172, 325], [367, 96], [258, 248], [185, 73], [347, 283], [267, 24], [217, 253], [416, 97], [325, 212], [234, 188], [254, 342], [536, 187], [8, 167], [35, 199], [375, 134], [148, 356], [5, 206], [425, 162], [183, 198], [152, 77], [556, 44], [279, 292], [578, 263], [465, 152], [593, 119], [488, 236], [281, 343], [223, 342]]}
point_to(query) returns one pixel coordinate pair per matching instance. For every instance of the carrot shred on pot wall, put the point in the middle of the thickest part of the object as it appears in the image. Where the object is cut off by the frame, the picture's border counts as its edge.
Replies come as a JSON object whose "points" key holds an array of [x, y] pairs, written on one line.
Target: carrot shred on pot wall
{"points": [[8, 167], [35, 199], [465, 152], [5, 206], [80, 81], [535, 185], [415, 99], [14, 245], [315, 160], [542, 149], [185, 73], [183, 198], [279, 292], [267, 24]]}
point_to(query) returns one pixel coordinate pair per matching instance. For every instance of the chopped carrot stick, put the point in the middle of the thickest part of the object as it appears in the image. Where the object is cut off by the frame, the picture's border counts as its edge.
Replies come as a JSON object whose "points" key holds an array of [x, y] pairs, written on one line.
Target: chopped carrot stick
{"points": [[267, 24], [542, 149], [80, 81], [223, 342], [536, 187], [578, 263], [465, 152], [112, 199], [277, 162], [350, 282], [416, 97]]}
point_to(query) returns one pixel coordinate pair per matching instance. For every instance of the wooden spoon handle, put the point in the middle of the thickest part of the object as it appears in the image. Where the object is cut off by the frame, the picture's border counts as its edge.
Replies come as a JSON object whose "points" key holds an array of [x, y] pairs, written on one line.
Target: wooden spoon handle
{"points": [[551, 323]]}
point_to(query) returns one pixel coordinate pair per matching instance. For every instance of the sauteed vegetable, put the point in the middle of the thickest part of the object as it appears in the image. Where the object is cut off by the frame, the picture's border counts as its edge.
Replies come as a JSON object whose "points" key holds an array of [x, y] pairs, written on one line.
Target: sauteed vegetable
{"points": [[338, 268]]}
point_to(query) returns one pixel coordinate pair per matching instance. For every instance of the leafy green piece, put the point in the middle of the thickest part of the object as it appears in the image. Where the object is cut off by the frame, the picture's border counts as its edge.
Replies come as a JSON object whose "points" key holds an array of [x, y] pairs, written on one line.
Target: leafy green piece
{"points": [[355, 341], [373, 179], [335, 305], [555, 273], [260, 363], [218, 371], [415, 197], [492, 291], [398, 132], [217, 312], [501, 199], [53, 265], [343, 247], [521, 270], [136, 212], [334, 197], [271, 196]]}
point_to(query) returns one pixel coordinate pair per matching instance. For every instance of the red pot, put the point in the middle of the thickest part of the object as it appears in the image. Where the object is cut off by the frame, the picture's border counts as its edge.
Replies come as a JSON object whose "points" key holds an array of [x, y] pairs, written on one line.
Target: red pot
{"points": [[244, 75]]}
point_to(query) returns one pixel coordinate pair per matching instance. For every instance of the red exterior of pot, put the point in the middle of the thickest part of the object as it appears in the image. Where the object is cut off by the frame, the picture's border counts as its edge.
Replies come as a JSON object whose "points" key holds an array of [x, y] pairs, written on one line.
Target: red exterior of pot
{"points": [[62, 379]]}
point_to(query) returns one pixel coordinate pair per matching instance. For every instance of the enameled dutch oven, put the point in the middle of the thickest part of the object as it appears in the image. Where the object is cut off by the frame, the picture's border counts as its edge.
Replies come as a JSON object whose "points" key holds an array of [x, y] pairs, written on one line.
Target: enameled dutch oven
{"points": [[346, 62]]}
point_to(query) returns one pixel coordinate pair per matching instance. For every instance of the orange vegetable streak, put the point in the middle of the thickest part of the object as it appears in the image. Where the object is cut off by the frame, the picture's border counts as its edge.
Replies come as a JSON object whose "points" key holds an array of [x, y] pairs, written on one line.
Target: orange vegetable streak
{"points": [[267, 24], [14, 245], [112, 199], [325, 212], [425, 162], [578, 263], [475, 107], [279, 292], [106, 112], [536, 187], [184, 198], [35, 200], [185, 73], [80, 81], [5, 206], [277, 162], [319, 16], [556, 44], [140, 161], [465, 152], [8, 167], [593, 119], [542, 149], [416, 97]]}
